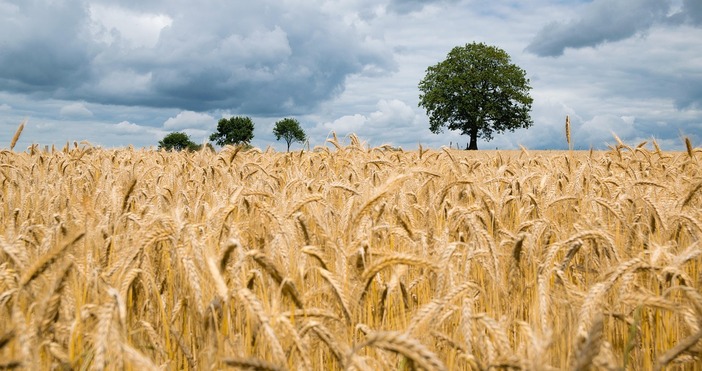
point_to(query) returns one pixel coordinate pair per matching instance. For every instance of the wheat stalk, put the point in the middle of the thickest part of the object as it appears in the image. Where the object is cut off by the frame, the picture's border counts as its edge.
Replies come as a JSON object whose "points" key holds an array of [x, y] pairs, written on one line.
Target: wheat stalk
{"points": [[532, 260]]}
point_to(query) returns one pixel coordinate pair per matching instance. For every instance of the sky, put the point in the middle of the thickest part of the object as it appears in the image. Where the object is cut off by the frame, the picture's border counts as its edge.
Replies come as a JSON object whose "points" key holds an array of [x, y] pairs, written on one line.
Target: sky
{"points": [[120, 73]]}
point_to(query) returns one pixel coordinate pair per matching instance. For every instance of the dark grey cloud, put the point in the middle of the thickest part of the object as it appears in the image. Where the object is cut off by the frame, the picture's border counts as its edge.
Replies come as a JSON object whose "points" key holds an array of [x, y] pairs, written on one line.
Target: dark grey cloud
{"points": [[688, 93], [42, 46], [691, 13], [255, 57], [601, 21]]}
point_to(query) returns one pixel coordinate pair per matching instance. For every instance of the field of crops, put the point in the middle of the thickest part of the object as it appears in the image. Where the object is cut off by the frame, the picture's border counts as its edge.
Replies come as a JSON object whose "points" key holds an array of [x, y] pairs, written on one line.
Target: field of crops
{"points": [[350, 257]]}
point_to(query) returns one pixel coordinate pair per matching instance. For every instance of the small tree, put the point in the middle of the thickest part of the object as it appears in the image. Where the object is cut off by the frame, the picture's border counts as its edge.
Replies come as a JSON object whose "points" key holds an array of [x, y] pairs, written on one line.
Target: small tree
{"points": [[177, 141], [478, 91], [290, 130], [234, 130]]}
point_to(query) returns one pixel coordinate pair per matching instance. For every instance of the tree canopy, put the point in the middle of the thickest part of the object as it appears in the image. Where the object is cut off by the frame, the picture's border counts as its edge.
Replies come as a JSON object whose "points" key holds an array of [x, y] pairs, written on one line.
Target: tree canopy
{"points": [[290, 130], [234, 130], [478, 91], [178, 141]]}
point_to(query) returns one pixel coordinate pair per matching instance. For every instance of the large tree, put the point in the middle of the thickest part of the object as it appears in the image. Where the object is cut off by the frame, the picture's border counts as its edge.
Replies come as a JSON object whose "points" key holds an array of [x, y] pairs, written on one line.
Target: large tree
{"points": [[177, 141], [234, 130], [478, 91], [290, 130]]}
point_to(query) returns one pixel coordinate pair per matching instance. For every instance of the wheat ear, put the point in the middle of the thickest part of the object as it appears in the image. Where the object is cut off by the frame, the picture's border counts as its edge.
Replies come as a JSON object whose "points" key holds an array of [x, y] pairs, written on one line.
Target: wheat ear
{"points": [[404, 345], [567, 132], [388, 261], [267, 264], [10, 365], [192, 362], [674, 352], [51, 312], [220, 285], [316, 253], [428, 311], [323, 334], [256, 309], [5, 339], [17, 135], [104, 328], [251, 364], [232, 245], [46, 260], [588, 347], [691, 194], [688, 146], [336, 287]]}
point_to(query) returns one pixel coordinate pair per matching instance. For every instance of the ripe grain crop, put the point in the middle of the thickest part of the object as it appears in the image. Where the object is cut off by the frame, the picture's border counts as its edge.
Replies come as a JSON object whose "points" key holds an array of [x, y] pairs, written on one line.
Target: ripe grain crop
{"points": [[349, 257]]}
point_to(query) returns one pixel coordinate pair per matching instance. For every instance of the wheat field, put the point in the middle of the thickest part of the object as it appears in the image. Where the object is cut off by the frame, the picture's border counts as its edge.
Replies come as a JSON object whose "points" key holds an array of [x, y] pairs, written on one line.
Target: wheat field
{"points": [[350, 257]]}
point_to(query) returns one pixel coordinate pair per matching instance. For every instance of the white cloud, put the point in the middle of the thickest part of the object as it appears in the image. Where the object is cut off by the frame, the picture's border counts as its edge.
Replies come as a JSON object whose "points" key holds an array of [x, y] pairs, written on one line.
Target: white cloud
{"points": [[189, 120], [601, 129], [391, 121], [128, 128], [5, 107], [110, 22], [347, 124], [75, 110], [389, 115], [393, 113]]}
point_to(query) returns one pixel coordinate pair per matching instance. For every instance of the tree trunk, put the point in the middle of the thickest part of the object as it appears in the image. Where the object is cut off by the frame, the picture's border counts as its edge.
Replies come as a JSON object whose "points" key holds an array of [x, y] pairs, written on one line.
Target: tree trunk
{"points": [[288, 145], [473, 139]]}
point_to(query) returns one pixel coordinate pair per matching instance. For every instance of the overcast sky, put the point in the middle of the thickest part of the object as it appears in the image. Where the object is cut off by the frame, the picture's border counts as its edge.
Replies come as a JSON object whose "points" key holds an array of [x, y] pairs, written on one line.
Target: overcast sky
{"points": [[116, 73]]}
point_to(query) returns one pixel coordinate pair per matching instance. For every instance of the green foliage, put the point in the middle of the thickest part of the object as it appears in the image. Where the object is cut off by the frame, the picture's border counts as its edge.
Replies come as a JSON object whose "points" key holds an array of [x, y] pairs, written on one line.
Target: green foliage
{"points": [[290, 130], [478, 91], [234, 130], [178, 141]]}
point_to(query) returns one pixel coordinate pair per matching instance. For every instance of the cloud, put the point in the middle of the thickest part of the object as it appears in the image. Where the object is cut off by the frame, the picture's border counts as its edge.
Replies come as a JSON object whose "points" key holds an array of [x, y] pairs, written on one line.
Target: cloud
{"points": [[601, 21], [687, 91], [689, 13], [75, 110], [392, 113], [109, 23], [347, 65], [409, 6], [388, 123], [189, 120], [601, 129], [347, 124], [249, 57], [128, 128]]}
